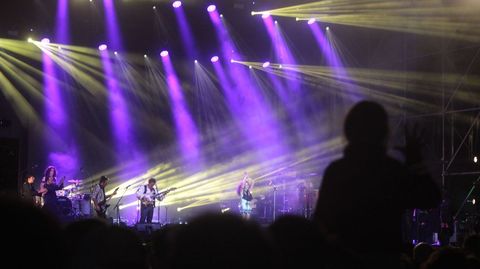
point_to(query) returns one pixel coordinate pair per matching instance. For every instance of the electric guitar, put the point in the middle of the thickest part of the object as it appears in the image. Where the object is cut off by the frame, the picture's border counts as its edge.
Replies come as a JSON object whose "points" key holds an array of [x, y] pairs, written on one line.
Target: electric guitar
{"points": [[103, 204], [149, 200]]}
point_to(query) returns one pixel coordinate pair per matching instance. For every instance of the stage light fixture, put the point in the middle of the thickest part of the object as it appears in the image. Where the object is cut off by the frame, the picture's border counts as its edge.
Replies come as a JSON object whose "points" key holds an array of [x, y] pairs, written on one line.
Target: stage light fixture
{"points": [[276, 22], [154, 7], [265, 15], [116, 53], [266, 64], [327, 28], [102, 47], [475, 159], [280, 66], [250, 67], [311, 21], [30, 40], [214, 59], [164, 53], [45, 41], [211, 8], [145, 56], [195, 61], [177, 4]]}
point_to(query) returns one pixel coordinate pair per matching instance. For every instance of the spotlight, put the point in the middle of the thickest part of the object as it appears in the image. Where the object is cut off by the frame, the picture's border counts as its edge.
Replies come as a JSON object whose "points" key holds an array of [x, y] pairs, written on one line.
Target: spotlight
{"points": [[195, 61], [221, 15], [214, 59], [116, 53], [177, 4], [45, 41], [265, 15], [250, 67], [252, 13], [327, 28], [59, 47], [30, 40], [145, 56], [311, 21], [266, 64], [297, 19], [473, 201], [102, 47], [164, 53], [276, 22], [211, 8], [154, 7], [280, 66], [475, 159]]}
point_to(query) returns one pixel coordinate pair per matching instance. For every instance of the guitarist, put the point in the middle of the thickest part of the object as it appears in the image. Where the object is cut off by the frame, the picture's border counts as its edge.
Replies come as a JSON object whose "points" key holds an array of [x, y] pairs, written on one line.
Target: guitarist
{"points": [[100, 199], [146, 195]]}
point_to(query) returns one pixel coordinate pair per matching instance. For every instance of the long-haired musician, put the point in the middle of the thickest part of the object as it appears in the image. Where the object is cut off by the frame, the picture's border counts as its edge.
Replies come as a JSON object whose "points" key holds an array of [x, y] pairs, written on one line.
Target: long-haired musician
{"points": [[49, 188], [244, 190]]}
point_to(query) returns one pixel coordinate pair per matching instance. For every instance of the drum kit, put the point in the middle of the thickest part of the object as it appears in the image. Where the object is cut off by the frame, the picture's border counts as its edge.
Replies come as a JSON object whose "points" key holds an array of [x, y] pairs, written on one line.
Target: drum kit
{"points": [[74, 203]]}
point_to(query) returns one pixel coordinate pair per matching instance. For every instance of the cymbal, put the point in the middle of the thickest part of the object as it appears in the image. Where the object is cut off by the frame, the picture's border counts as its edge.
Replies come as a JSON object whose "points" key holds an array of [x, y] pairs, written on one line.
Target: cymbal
{"points": [[75, 181]]}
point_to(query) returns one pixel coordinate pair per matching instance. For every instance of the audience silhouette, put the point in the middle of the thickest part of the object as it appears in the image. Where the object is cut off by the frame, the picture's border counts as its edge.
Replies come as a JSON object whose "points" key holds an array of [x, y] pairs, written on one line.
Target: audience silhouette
{"points": [[364, 194]]}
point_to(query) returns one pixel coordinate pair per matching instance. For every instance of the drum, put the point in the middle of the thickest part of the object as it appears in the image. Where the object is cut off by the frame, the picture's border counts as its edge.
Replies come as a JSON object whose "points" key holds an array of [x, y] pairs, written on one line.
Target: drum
{"points": [[64, 205], [82, 206], [85, 205]]}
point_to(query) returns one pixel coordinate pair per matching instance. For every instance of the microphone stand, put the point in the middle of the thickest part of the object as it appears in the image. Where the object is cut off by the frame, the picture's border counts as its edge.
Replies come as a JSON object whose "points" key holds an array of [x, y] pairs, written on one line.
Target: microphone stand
{"points": [[117, 206]]}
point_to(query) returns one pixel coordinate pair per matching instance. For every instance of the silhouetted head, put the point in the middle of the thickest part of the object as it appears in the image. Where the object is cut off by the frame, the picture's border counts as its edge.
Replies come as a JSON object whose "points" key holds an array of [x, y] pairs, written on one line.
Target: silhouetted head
{"points": [[221, 241], [367, 123], [471, 245], [31, 231], [421, 252], [446, 258]]}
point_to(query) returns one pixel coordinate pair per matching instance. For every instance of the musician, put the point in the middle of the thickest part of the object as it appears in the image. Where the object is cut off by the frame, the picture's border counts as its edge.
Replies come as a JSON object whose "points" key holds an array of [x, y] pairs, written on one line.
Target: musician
{"points": [[244, 190], [29, 193], [49, 188], [100, 199], [146, 195]]}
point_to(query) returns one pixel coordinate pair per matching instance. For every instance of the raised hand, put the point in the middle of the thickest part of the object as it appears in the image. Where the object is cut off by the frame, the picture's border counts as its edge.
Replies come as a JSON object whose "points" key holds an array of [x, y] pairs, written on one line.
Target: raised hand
{"points": [[414, 143]]}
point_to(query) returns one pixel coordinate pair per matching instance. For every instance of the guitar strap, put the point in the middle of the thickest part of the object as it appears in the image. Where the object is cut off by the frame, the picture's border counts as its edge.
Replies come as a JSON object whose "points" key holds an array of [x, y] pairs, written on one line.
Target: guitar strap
{"points": [[104, 197]]}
